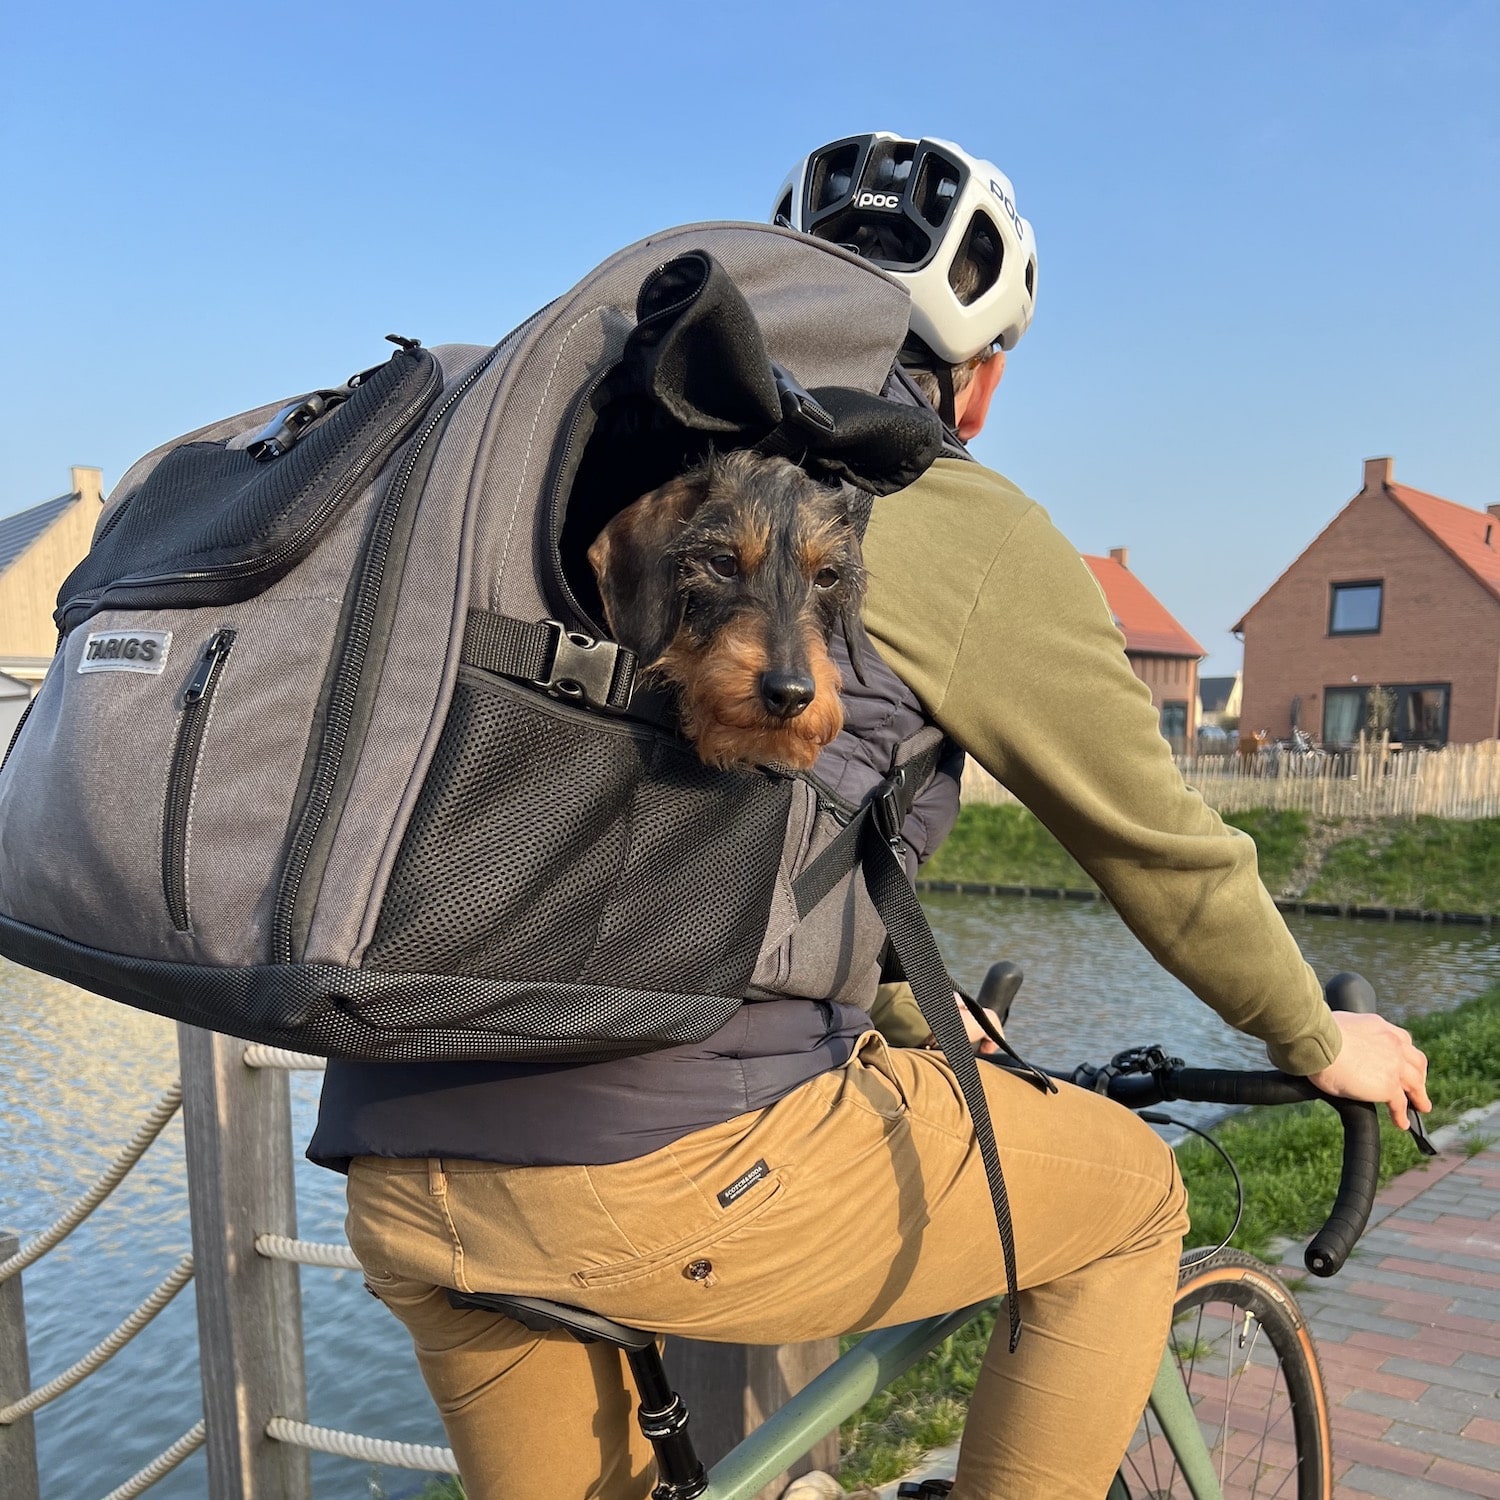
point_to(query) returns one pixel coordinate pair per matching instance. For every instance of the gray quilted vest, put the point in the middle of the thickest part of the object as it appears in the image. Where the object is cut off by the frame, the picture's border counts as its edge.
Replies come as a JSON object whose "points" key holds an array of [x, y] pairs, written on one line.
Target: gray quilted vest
{"points": [[330, 756]]}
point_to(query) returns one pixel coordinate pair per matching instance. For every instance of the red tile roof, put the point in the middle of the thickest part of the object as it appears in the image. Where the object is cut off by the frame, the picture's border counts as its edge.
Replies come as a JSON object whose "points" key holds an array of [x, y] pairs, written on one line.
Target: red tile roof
{"points": [[1141, 616], [1458, 529]]}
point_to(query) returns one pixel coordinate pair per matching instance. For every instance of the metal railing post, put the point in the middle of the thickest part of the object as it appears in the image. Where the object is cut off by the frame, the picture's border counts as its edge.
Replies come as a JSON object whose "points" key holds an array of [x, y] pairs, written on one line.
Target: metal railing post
{"points": [[238, 1134], [18, 1472]]}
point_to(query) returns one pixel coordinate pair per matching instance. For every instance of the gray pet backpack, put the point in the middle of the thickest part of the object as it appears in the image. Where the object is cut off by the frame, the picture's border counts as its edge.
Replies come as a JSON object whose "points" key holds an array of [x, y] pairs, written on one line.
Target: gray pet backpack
{"points": [[333, 755]]}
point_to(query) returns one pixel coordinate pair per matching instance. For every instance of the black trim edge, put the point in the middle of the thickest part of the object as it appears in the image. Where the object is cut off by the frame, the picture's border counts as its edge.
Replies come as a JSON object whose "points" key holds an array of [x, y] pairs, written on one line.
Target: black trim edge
{"points": [[361, 1014]]}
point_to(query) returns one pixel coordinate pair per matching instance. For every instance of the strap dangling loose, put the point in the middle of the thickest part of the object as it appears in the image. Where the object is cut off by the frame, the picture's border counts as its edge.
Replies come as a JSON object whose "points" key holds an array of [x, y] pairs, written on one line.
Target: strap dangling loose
{"points": [[905, 921]]}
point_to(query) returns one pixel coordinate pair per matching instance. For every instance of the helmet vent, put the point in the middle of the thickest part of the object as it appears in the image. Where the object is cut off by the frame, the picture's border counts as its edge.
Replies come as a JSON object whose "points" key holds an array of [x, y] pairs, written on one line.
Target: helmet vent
{"points": [[976, 267], [1031, 277], [937, 188], [833, 177]]}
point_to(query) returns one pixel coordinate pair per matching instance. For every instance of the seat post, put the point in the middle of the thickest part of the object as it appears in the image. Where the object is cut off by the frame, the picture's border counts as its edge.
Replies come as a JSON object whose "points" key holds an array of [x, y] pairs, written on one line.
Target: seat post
{"points": [[663, 1416]]}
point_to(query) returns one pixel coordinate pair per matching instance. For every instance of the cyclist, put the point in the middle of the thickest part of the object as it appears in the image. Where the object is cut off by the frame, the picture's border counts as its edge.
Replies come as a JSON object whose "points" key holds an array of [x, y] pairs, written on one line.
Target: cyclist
{"points": [[796, 1176]]}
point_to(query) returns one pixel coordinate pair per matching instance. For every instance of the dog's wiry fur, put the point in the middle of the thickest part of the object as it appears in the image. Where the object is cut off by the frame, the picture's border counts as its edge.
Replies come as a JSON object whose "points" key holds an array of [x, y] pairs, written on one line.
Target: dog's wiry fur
{"points": [[727, 583]]}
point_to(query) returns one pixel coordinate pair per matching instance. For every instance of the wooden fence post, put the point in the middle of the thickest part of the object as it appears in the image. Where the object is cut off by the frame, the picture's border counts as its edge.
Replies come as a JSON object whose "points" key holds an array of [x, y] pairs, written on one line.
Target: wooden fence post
{"points": [[18, 1473], [237, 1127], [730, 1389]]}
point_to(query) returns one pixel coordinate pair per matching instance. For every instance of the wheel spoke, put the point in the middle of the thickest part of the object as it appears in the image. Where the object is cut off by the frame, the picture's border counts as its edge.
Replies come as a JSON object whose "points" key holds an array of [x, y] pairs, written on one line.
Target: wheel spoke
{"points": [[1232, 1306]]}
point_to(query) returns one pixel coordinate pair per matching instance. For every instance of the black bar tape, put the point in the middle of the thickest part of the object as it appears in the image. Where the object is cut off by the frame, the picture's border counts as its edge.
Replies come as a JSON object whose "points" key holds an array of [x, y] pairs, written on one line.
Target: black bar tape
{"points": [[1359, 1177], [1331, 1245]]}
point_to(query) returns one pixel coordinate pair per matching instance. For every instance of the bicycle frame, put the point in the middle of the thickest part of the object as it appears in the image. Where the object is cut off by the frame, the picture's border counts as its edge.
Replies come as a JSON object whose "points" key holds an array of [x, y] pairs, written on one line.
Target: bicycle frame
{"points": [[873, 1363]]}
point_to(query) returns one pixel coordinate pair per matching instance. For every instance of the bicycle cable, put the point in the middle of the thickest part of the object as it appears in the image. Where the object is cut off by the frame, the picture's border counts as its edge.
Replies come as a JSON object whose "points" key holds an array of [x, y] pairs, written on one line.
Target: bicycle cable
{"points": [[1156, 1117]]}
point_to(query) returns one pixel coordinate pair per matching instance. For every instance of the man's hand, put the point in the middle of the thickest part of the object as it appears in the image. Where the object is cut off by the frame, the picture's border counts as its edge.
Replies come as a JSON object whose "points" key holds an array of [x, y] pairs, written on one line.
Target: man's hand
{"points": [[1378, 1063], [983, 1046]]}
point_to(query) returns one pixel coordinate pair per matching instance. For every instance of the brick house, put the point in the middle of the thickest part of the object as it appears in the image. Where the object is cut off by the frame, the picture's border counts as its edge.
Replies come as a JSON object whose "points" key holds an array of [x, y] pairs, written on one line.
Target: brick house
{"points": [[1389, 618], [1165, 657], [39, 547]]}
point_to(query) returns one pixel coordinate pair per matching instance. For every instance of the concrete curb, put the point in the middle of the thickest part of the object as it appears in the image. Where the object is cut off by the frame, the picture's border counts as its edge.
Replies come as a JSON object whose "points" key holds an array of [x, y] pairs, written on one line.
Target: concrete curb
{"points": [[1353, 910]]}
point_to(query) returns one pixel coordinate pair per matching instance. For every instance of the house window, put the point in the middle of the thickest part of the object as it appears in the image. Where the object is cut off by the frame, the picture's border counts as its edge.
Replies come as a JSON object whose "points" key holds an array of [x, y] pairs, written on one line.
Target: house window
{"points": [[1413, 713], [1355, 609], [1174, 722]]}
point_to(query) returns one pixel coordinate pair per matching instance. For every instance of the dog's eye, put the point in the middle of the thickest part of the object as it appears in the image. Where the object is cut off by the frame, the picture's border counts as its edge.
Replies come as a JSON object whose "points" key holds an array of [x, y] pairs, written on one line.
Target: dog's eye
{"points": [[826, 578], [725, 564]]}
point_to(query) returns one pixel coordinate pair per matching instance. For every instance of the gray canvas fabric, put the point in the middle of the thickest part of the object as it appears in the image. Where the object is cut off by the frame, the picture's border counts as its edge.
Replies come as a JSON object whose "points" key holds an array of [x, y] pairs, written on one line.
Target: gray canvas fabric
{"points": [[84, 796]]}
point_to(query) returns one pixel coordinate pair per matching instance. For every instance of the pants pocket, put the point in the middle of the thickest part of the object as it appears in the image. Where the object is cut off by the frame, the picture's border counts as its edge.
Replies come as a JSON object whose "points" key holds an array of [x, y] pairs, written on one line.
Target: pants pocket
{"points": [[693, 1254]]}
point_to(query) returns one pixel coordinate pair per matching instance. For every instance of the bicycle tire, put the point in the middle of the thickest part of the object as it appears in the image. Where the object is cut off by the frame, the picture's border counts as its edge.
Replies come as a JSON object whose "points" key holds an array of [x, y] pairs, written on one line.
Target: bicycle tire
{"points": [[1259, 1395]]}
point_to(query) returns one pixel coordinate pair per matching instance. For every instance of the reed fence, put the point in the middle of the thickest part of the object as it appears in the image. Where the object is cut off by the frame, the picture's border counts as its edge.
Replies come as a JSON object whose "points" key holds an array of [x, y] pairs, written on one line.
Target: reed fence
{"points": [[1373, 779]]}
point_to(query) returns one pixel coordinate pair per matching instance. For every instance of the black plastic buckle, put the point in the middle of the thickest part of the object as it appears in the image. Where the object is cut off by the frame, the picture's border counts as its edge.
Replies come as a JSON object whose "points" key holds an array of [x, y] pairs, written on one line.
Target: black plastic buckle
{"points": [[798, 406], [887, 810], [280, 434], [582, 668]]}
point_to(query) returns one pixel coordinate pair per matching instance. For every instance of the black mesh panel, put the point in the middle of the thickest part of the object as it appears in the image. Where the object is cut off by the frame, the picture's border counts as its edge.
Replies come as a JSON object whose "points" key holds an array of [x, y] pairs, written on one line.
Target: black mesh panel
{"points": [[235, 525], [552, 845]]}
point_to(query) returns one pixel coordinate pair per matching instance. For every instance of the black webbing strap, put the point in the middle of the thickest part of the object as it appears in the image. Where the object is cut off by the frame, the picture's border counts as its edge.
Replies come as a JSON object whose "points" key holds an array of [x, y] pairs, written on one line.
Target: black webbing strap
{"points": [[905, 921], [892, 802], [546, 654]]}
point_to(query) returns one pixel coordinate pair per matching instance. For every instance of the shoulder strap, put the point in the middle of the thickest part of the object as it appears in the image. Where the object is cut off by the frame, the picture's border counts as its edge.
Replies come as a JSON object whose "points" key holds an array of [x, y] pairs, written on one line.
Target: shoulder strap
{"points": [[899, 386], [871, 840]]}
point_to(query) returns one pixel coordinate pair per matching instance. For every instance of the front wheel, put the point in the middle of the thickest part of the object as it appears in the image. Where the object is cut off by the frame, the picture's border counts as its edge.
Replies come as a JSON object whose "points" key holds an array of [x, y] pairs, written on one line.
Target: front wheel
{"points": [[1246, 1356]]}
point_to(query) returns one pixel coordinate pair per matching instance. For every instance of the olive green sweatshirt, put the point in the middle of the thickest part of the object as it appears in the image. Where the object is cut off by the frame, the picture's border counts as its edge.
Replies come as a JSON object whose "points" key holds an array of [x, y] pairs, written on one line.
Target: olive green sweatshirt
{"points": [[991, 617]]}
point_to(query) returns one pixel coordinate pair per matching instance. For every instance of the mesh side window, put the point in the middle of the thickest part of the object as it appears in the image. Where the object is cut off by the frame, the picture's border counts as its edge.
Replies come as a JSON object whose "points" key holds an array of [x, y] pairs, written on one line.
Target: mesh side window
{"points": [[550, 845]]}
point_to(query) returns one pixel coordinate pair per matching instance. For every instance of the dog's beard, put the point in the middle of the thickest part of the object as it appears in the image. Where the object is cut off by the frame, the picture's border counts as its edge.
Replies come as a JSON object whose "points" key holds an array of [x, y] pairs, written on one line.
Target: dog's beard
{"points": [[723, 714]]}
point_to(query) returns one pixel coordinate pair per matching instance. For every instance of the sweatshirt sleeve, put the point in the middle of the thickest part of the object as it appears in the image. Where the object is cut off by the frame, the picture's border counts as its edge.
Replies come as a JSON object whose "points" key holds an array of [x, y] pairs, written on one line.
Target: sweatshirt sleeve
{"points": [[1009, 645]]}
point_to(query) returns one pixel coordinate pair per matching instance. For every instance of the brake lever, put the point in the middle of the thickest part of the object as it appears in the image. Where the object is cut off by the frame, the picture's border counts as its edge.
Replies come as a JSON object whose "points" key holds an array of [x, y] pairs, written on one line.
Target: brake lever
{"points": [[1418, 1132]]}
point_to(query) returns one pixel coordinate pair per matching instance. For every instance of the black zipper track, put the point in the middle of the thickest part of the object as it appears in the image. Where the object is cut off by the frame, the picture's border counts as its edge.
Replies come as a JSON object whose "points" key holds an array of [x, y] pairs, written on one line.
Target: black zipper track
{"points": [[346, 675], [297, 545], [197, 700], [16, 732]]}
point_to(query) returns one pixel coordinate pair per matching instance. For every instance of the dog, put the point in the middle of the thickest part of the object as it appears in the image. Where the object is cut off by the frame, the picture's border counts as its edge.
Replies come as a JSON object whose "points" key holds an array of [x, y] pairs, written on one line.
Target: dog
{"points": [[727, 582]]}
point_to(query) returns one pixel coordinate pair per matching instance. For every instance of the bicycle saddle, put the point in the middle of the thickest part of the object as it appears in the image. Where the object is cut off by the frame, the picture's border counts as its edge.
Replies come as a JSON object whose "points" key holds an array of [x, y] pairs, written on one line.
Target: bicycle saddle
{"points": [[541, 1316]]}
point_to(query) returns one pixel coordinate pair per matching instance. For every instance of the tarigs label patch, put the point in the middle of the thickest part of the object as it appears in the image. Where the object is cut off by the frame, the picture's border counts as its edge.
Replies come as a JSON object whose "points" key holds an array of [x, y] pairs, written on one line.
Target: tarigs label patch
{"points": [[744, 1182], [125, 651]]}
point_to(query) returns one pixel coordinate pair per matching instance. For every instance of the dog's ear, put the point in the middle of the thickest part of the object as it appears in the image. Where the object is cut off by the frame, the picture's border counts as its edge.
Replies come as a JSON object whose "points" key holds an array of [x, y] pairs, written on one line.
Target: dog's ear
{"points": [[636, 566]]}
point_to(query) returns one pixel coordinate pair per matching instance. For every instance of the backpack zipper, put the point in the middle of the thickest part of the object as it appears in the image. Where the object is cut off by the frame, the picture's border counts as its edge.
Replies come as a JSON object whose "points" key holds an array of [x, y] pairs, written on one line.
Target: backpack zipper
{"points": [[339, 713], [197, 700]]}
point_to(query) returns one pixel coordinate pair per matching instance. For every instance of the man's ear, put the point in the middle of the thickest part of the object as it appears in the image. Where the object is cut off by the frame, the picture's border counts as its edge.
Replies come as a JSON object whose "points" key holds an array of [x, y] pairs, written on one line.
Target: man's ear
{"points": [[975, 397], [636, 567]]}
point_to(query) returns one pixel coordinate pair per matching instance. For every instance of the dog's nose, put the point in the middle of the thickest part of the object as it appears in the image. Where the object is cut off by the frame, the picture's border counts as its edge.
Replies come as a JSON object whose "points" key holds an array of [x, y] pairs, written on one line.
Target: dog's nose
{"points": [[786, 694]]}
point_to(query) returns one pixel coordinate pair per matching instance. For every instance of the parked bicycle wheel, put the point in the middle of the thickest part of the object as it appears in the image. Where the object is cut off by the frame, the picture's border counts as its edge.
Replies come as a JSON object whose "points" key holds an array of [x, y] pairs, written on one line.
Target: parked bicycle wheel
{"points": [[1247, 1359]]}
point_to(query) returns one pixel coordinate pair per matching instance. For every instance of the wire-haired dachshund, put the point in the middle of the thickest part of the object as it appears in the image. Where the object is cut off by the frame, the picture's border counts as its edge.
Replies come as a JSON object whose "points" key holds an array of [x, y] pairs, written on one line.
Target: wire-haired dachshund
{"points": [[727, 583]]}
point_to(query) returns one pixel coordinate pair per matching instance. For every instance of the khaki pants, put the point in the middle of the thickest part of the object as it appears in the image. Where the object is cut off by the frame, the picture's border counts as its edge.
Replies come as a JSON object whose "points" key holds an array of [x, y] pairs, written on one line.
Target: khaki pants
{"points": [[857, 1201]]}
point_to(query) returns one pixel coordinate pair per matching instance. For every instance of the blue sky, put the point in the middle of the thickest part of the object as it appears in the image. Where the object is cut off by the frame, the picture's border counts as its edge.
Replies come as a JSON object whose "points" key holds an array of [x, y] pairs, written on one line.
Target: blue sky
{"points": [[1267, 233]]}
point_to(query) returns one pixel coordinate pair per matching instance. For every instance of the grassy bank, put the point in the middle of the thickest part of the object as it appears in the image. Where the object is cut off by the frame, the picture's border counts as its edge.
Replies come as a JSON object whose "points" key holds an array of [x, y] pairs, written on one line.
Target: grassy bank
{"points": [[1430, 864], [1289, 1159]]}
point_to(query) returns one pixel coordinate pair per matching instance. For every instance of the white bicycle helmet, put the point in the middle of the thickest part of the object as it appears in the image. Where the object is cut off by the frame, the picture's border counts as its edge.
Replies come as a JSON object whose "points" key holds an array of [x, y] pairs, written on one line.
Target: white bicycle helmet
{"points": [[939, 220]]}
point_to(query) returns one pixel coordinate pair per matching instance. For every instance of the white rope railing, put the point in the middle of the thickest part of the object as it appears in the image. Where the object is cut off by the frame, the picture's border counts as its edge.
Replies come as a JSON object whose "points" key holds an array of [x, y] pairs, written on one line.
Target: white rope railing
{"points": [[189, 1443], [420, 1456], [257, 1056], [177, 1278], [306, 1252], [134, 1149]]}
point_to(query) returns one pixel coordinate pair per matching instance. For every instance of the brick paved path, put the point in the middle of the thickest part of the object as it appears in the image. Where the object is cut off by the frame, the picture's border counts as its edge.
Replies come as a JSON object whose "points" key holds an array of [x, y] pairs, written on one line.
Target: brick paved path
{"points": [[1409, 1337]]}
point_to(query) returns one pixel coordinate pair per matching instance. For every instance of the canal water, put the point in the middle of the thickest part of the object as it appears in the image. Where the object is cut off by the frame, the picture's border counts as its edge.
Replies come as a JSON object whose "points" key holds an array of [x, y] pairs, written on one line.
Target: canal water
{"points": [[77, 1073]]}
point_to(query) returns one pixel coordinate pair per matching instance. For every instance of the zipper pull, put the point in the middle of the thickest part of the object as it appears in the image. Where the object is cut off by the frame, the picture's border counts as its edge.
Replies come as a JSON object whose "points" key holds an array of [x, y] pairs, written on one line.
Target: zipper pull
{"points": [[213, 653]]}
